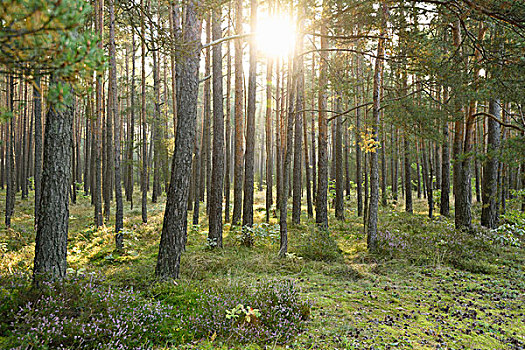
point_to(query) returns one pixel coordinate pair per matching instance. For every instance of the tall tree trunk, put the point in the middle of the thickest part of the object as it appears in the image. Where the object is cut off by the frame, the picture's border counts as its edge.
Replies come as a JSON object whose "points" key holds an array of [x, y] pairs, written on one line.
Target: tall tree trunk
{"points": [[247, 213], [339, 195], [321, 210], [376, 117], [408, 177], [119, 212], [97, 156], [131, 130], [395, 162], [298, 116], [309, 206], [227, 175], [10, 166], [215, 214], [156, 133], [489, 215], [37, 110], [445, 167], [283, 248], [268, 133], [205, 155], [278, 148], [314, 162], [239, 119], [174, 228], [144, 172], [51, 235], [358, 170]]}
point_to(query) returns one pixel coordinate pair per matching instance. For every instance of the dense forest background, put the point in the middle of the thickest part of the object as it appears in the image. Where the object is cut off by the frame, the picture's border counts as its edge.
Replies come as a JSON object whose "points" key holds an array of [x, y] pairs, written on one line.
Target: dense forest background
{"points": [[284, 151]]}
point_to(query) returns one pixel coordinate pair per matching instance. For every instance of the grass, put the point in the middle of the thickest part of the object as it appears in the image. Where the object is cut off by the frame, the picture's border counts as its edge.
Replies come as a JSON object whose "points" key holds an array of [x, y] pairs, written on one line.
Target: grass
{"points": [[442, 289]]}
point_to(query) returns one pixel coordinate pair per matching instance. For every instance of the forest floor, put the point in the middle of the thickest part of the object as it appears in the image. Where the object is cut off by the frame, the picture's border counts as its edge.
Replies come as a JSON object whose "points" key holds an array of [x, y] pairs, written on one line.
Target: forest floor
{"points": [[429, 288]]}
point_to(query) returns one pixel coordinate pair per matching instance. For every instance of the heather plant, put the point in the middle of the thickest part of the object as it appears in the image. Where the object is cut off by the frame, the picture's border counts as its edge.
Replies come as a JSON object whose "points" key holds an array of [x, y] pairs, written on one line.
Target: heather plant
{"points": [[83, 313], [275, 310]]}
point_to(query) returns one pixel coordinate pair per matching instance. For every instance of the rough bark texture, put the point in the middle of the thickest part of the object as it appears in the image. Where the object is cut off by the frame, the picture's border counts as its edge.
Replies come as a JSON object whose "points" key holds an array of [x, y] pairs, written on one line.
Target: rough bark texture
{"points": [[376, 122], [119, 212], [144, 172], [239, 120], [10, 164], [489, 215], [298, 116], [339, 196], [217, 175], [174, 227], [283, 249], [268, 134], [227, 175], [51, 235], [358, 170], [445, 168], [37, 110], [247, 213], [321, 210], [408, 177]]}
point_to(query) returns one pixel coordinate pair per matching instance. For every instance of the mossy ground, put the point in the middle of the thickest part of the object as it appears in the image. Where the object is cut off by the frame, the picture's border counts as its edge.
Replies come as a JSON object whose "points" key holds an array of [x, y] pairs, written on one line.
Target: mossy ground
{"points": [[432, 299]]}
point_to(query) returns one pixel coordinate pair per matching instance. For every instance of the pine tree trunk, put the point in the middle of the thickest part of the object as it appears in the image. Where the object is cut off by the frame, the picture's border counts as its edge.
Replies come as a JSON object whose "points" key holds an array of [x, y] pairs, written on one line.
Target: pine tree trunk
{"points": [[37, 109], [144, 172], [321, 210], [358, 169], [408, 177], [247, 213], [227, 175], [376, 123], [489, 215], [239, 120], [339, 195], [10, 166], [283, 248], [217, 176], [51, 235], [174, 228], [119, 212], [268, 139], [298, 116], [309, 206]]}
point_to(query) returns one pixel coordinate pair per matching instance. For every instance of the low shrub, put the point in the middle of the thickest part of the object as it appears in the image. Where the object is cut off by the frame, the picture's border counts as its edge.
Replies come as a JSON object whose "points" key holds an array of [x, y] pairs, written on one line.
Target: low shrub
{"points": [[264, 312], [82, 313], [318, 245], [85, 312]]}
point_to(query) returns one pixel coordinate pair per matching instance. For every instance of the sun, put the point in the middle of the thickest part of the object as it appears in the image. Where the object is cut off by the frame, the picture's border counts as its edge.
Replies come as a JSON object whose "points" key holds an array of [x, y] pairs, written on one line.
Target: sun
{"points": [[276, 35]]}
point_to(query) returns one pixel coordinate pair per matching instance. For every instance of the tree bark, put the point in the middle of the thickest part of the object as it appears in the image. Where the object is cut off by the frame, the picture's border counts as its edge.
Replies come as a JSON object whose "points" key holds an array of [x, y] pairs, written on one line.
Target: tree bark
{"points": [[321, 210], [339, 195], [217, 176], [144, 173], [268, 133], [247, 214], [239, 120], [489, 215], [376, 118], [298, 116], [174, 228], [119, 212], [51, 235], [37, 110]]}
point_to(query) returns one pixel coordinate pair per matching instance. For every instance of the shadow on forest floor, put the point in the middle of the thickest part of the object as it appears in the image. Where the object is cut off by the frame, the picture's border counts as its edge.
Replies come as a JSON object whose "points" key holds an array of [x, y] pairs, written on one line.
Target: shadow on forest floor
{"points": [[428, 286]]}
